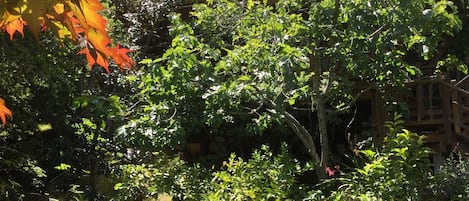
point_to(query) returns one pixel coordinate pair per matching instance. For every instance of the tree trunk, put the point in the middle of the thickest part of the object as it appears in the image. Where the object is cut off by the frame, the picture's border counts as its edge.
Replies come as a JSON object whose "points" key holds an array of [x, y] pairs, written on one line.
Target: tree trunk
{"points": [[304, 135], [93, 162], [318, 104], [322, 124]]}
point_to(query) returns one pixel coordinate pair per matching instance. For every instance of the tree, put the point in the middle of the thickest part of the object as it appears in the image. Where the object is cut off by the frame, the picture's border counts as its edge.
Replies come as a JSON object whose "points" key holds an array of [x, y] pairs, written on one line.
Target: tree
{"points": [[78, 20], [145, 23], [251, 60], [42, 75], [41, 82]]}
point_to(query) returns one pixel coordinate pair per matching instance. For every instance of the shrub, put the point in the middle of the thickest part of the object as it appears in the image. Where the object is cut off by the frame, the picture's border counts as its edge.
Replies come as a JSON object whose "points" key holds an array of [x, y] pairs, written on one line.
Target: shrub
{"points": [[263, 177], [266, 176], [165, 176], [452, 181], [398, 171]]}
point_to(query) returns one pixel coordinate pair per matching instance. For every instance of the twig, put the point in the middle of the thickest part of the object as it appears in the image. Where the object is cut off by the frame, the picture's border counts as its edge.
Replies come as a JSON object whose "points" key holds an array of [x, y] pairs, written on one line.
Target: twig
{"points": [[375, 32]]}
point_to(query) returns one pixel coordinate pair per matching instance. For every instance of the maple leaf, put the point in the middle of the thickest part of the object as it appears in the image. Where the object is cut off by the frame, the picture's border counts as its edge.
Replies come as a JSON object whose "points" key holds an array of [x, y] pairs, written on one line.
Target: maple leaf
{"points": [[90, 9], [13, 11], [85, 18], [120, 57], [73, 24], [34, 15], [78, 20], [4, 112], [99, 40], [95, 57], [14, 26], [86, 11]]}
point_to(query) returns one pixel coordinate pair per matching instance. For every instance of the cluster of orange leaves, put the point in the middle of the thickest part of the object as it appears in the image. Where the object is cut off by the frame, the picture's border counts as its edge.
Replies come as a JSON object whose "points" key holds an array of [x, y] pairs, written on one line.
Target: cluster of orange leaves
{"points": [[78, 20]]}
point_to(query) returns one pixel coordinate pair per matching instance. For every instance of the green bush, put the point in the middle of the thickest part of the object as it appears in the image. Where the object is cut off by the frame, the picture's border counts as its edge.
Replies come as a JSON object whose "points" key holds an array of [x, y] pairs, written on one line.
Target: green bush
{"points": [[165, 175], [266, 176], [263, 177], [452, 181], [398, 171]]}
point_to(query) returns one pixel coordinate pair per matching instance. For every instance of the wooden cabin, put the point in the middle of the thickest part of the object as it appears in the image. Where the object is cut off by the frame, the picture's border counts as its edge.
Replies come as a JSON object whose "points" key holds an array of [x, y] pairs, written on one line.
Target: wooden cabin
{"points": [[438, 107]]}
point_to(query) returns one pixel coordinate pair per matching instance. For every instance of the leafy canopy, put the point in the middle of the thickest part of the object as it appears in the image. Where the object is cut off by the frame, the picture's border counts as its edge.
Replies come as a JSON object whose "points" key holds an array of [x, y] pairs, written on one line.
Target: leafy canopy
{"points": [[255, 62]]}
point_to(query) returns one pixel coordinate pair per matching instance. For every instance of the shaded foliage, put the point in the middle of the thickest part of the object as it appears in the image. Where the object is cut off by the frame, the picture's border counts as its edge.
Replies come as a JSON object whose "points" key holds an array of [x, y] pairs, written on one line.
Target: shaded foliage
{"points": [[265, 176], [235, 74], [398, 170]]}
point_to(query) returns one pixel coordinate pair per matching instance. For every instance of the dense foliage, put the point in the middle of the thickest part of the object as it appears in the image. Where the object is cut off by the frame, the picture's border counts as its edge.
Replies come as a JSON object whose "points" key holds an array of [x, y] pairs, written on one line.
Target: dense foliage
{"points": [[265, 176], [397, 171], [40, 85], [230, 100], [252, 65], [79, 21], [451, 182]]}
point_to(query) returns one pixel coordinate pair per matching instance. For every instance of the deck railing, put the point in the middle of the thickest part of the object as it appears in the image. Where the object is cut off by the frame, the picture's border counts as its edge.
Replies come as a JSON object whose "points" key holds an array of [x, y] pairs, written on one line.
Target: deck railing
{"points": [[439, 108]]}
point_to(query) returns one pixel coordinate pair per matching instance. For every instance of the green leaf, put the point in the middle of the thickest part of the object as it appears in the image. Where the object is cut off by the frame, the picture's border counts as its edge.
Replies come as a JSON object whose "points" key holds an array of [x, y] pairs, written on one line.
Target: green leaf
{"points": [[292, 99], [39, 172], [87, 122], [250, 4], [244, 78], [412, 69], [44, 127], [462, 68], [146, 61], [118, 186], [369, 153], [62, 166], [415, 39]]}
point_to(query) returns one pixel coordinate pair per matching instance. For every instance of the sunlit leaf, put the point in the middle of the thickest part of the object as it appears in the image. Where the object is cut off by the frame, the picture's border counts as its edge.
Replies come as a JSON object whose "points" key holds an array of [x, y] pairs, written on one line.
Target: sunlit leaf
{"points": [[94, 57], [4, 112], [13, 11], [59, 8], [62, 166], [120, 57], [90, 9], [15, 26], [34, 15], [99, 40], [44, 127], [78, 20]]}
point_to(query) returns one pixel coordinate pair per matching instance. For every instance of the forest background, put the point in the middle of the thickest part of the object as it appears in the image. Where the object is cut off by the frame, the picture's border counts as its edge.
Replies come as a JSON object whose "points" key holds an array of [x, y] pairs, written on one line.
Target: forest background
{"points": [[222, 100]]}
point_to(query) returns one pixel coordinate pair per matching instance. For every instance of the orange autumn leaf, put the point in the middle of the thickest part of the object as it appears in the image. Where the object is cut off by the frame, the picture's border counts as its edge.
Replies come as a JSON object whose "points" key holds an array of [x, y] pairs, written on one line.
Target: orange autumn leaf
{"points": [[85, 19], [13, 11], [73, 24], [90, 9], [86, 11], [4, 112], [15, 26], [34, 15], [95, 57], [78, 20], [7, 18], [120, 57], [98, 40]]}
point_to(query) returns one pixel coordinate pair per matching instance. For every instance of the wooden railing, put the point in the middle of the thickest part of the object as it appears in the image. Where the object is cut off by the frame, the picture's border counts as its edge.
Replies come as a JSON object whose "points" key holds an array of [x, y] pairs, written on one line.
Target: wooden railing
{"points": [[439, 108], [460, 106]]}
